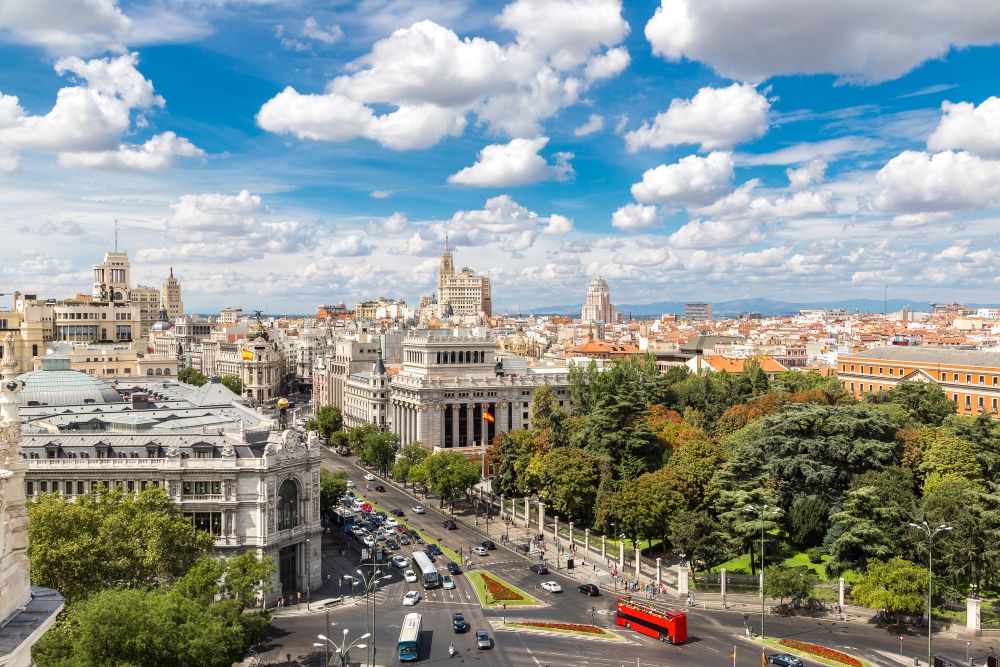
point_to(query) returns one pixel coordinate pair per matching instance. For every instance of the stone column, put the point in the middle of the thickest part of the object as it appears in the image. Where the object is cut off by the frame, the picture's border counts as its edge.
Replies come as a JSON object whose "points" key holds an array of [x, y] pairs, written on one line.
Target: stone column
{"points": [[454, 424], [501, 506], [571, 544], [527, 502], [586, 541], [604, 548], [470, 429], [621, 555], [722, 585], [541, 517], [638, 554], [840, 592], [682, 580], [502, 423], [973, 610], [659, 572], [555, 530], [420, 416]]}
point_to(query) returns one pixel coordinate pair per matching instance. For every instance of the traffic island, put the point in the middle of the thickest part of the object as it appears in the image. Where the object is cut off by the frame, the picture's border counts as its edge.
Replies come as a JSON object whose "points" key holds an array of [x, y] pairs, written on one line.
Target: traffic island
{"points": [[577, 629], [493, 591], [815, 652]]}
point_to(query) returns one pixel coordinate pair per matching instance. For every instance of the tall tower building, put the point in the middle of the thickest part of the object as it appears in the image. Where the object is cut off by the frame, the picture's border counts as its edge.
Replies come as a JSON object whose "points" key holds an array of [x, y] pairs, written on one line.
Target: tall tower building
{"points": [[598, 306], [466, 292], [171, 295], [112, 278]]}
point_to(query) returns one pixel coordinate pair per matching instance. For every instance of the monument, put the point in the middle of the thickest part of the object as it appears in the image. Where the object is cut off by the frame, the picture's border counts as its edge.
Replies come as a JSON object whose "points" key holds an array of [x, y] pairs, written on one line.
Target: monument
{"points": [[26, 612]]}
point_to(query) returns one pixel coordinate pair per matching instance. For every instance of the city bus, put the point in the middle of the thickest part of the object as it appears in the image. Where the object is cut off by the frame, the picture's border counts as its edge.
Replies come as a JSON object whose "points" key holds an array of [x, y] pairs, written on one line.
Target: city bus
{"points": [[428, 573], [409, 638], [649, 619]]}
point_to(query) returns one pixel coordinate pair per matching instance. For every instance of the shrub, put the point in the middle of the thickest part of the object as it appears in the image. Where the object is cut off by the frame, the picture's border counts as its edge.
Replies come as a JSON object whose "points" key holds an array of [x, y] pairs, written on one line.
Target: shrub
{"points": [[815, 555], [575, 627], [499, 591], [822, 652]]}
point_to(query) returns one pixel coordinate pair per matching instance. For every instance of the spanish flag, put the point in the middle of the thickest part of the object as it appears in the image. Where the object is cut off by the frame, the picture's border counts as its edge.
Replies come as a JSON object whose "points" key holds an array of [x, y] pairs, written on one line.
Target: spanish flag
{"points": [[487, 416], [247, 355]]}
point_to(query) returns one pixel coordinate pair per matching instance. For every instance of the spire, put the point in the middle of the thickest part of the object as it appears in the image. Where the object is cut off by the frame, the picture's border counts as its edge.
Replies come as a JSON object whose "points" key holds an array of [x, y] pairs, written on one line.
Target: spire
{"points": [[171, 272], [446, 242]]}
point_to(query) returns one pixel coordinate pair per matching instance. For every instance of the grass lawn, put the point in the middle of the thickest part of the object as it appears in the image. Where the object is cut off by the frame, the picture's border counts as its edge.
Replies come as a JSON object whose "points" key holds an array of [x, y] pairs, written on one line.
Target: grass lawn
{"points": [[800, 559], [645, 545], [599, 632], [476, 577], [773, 644]]}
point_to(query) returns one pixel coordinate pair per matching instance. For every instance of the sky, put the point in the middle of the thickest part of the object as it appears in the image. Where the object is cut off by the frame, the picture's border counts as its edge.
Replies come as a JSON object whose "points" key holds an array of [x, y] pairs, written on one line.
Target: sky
{"points": [[283, 154]]}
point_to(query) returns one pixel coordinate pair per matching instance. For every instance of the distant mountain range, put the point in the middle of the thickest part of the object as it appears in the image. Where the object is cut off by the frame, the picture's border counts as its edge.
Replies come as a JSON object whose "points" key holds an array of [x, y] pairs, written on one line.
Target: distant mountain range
{"points": [[762, 306]]}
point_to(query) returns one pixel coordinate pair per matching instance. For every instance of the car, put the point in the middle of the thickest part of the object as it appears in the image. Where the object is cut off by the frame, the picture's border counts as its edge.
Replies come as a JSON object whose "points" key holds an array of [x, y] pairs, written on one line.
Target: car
{"points": [[410, 576], [522, 548], [411, 598], [369, 540], [784, 659], [380, 488], [391, 523], [458, 622], [539, 568], [552, 586], [351, 484], [402, 530], [588, 589], [435, 549], [449, 524], [488, 544], [382, 515], [369, 477], [395, 511], [483, 640], [404, 540], [480, 551], [430, 555], [453, 568], [418, 510], [400, 562], [391, 543], [447, 583]]}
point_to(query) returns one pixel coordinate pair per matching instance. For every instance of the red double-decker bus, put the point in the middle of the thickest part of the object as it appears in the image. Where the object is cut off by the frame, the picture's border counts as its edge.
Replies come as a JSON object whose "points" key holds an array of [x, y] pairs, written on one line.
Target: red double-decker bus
{"points": [[664, 624]]}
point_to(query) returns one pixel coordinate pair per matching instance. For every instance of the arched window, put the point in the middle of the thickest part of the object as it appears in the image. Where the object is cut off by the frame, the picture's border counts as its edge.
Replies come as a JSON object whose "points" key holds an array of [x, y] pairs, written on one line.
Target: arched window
{"points": [[159, 371], [288, 505], [149, 371], [166, 371]]}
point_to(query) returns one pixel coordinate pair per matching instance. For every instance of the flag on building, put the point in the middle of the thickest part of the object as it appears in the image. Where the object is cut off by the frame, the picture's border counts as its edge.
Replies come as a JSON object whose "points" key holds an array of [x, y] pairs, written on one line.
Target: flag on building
{"points": [[247, 355], [487, 416]]}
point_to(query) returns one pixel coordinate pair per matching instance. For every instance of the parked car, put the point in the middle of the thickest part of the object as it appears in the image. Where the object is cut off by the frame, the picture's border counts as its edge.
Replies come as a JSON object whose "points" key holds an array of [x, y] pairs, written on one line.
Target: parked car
{"points": [[411, 598], [400, 562], [551, 586], [522, 548], [395, 511], [480, 551], [459, 623], [449, 524], [380, 488], [410, 576], [419, 510], [589, 589], [369, 477], [488, 544], [539, 568], [435, 549], [453, 568], [483, 640], [447, 583], [351, 484], [784, 659]]}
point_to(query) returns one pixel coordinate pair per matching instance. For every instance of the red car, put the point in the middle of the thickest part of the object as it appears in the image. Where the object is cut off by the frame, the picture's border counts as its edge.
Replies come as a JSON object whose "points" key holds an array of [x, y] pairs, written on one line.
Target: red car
{"points": [[400, 528]]}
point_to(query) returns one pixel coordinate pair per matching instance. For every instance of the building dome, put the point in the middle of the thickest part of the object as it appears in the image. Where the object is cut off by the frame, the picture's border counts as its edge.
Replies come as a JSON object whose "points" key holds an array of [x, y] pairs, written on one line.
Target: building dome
{"points": [[56, 384], [162, 324]]}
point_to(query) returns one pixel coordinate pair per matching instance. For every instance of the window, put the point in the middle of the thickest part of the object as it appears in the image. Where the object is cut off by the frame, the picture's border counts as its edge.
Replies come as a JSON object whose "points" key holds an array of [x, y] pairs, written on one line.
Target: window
{"points": [[81, 488], [994, 406], [982, 379], [43, 486], [30, 488], [955, 377], [288, 505]]}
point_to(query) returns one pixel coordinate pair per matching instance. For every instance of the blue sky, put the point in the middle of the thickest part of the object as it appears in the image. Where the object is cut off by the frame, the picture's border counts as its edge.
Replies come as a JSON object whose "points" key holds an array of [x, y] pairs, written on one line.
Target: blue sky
{"points": [[284, 154]]}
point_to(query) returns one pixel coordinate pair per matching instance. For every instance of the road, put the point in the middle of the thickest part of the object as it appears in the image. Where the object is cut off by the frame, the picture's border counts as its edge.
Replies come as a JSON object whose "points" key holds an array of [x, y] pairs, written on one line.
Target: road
{"points": [[712, 635]]}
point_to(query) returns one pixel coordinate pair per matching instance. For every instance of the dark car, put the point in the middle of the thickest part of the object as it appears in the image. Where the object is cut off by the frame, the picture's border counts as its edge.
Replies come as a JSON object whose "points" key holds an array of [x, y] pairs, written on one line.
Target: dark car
{"points": [[449, 524], [453, 568], [435, 549], [383, 515], [430, 554], [488, 544], [413, 534], [391, 543], [404, 540], [588, 589], [483, 640], [396, 511], [522, 548], [380, 488], [784, 659], [539, 568], [459, 623]]}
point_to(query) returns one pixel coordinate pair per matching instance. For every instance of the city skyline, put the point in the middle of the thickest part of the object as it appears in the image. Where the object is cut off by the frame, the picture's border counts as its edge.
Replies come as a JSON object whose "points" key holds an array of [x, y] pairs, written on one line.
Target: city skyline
{"points": [[322, 153]]}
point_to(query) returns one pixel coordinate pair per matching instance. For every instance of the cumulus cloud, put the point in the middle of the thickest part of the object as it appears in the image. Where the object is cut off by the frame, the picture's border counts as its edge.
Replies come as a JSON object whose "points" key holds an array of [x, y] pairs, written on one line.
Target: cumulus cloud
{"points": [[568, 30], [693, 180], [713, 118], [807, 176], [715, 234], [350, 245], [595, 123], [966, 126], [160, 152], [502, 222], [915, 181], [633, 217], [559, 225], [607, 65], [515, 163], [743, 203], [859, 41], [61, 26]]}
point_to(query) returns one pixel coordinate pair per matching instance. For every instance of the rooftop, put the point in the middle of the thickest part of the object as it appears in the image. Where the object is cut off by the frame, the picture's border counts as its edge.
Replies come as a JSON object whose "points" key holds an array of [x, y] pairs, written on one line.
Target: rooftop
{"points": [[932, 355]]}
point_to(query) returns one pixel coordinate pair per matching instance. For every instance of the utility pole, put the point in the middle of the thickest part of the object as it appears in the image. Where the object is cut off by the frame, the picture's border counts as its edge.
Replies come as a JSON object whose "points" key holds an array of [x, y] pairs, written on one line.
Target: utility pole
{"points": [[930, 533]]}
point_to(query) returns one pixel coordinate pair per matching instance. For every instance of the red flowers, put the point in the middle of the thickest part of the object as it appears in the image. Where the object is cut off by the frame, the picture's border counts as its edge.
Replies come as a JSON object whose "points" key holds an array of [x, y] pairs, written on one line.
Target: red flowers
{"points": [[563, 626], [499, 591], [822, 651]]}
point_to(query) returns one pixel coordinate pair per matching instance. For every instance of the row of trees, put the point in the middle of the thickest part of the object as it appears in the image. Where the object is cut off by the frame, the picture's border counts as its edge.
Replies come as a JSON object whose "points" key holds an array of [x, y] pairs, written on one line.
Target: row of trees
{"points": [[192, 376]]}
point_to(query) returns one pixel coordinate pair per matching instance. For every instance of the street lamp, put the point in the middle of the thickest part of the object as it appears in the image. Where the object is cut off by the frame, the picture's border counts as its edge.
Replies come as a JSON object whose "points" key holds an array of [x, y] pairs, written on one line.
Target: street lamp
{"points": [[370, 583], [343, 648], [924, 527], [762, 512]]}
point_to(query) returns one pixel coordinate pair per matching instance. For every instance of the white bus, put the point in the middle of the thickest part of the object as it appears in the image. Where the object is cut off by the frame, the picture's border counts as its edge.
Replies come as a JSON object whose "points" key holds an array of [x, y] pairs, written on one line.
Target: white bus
{"points": [[428, 573], [409, 638]]}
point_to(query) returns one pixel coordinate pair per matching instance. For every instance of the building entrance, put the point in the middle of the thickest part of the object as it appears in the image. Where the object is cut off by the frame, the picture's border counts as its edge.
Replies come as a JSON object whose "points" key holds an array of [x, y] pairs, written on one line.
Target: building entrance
{"points": [[288, 569]]}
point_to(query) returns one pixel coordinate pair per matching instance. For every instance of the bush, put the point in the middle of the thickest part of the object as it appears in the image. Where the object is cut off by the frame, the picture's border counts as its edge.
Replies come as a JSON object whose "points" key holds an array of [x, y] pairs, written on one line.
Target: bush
{"points": [[815, 555], [822, 651], [499, 591]]}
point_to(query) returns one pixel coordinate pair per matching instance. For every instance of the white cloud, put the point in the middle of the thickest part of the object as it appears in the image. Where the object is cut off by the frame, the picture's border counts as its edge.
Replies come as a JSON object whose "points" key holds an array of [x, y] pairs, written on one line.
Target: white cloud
{"points": [[916, 181], [394, 224], [595, 123], [502, 222], [159, 152], [807, 176], [827, 150], [515, 163], [607, 65], [559, 225], [741, 203], [66, 26], [713, 118], [715, 233], [328, 35], [856, 39], [633, 217], [568, 30], [968, 127], [351, 245], [693, 180]]}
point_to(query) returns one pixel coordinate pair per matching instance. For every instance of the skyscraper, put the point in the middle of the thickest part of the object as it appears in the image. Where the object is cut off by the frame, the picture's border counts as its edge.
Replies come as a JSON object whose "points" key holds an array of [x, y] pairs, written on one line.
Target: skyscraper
{"points": [[466, 292], [598, 306], [172, 297]]}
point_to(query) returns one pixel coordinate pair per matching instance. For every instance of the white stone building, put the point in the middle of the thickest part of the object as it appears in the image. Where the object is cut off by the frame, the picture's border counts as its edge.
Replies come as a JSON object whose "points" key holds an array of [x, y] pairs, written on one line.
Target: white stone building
{"points": [[598, 307], [464, 293]]}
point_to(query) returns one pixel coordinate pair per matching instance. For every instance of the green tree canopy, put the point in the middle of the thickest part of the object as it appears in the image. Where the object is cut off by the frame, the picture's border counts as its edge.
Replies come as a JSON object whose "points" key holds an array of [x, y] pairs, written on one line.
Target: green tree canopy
{"points": [[191, 376], [808, 520], [787, 582], [699, 536], [233, 383], [332, 487], [895, 585], [947, 456], [450, 475], [328, 420], [983, 432], [409, 457], [925, 402], [569, 483]]}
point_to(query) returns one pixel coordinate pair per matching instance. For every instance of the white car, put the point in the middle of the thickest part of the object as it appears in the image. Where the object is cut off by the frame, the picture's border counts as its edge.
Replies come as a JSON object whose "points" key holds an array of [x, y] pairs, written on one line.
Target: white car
{"points": [[400, 562], [391, 523], [411, 598], [369, 540], [351, 484], [410, 576], [480, 551], [419, 510], [447, 583], [369, 477], [552, 587]]}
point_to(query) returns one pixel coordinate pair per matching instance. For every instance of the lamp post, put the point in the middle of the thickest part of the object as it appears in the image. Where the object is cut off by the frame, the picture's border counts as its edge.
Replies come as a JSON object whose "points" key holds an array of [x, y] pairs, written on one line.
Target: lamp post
{"points": [[762, 512], [924, 527], [342, 649], [370, 583]]}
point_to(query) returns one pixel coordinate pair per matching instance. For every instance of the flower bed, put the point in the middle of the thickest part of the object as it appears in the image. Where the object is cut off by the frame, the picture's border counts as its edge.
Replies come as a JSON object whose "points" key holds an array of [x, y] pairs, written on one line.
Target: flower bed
{"points": [[498, 590], [822, 651], [571, 627]]}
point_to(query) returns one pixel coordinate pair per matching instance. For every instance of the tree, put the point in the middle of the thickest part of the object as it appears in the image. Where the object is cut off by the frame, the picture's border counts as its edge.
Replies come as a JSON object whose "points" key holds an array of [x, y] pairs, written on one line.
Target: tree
{"points": [[895, 586], [645, 506], [328, 420], [379, 449], [983, 432], [545, 410], [569, 483], [110, 540], [233, 383], [408, 458], [744, 527], [450, 475], [786, 582], [946, 456], [700, 537], [808, 520], [332, 487], [925, 402], [191, 376], [356, 438]]}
